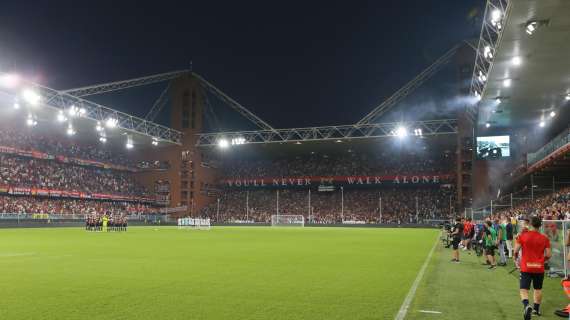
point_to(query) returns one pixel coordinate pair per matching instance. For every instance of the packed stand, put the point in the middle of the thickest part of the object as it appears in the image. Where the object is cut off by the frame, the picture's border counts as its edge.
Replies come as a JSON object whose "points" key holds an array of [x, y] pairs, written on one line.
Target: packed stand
{"points": [[35, 173], [37, 205], [54, 146], [398, 205], [351, 164]]}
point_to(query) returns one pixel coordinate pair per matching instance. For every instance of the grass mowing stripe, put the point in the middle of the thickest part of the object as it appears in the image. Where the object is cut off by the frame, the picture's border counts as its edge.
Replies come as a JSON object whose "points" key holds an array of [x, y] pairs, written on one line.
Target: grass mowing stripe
{"points": [[406, 304]]}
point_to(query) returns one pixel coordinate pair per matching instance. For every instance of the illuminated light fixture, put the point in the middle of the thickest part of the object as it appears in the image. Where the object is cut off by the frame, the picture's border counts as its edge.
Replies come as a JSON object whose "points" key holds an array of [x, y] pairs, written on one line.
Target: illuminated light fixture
{"points": [[498, 100], [487, 125], [72, 111], [9, 80], [552, 114], [31, 97], [30, 121], [238, 141], [129, 144], [507, 83], [418, 132], [154, 141], [401, 132], [531, 27], [82, 111], [516, 61], [70, 131], [298, 142], [223, 144], [60, 116], [338, 141], [567, 97], [487, 52], [16, 105], [496, 16], [542, 124], [98, 127], [102, 139], [477, 95], [482, 77], [111, 122]]}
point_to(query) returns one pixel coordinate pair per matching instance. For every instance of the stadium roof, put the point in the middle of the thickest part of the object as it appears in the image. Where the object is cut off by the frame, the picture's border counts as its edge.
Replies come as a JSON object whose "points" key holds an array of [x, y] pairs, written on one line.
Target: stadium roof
{"points": [[529, 76]]}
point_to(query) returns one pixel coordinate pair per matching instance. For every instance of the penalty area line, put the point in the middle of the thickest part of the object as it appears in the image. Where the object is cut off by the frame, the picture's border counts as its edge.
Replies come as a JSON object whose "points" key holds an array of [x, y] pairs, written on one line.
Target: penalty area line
{"points": [[401, 315]]}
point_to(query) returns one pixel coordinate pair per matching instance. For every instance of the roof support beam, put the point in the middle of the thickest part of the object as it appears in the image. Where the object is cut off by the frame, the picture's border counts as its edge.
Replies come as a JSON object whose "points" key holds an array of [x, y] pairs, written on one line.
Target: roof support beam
{"points": [[331, 133]]}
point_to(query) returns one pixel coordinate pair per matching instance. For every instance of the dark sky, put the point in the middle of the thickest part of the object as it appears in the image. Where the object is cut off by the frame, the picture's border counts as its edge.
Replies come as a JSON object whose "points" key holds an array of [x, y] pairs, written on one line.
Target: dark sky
{"points": [[292, 63]]}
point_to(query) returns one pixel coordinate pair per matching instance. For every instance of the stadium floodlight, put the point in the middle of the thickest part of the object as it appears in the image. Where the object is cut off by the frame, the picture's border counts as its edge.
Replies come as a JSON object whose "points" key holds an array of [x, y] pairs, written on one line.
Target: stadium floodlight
{"points": [[16, 105], [61, 117], [10, 80], [477, 95], [238, 141], [111, 122], [70, 131], [418, 132], [401, 132], [82, 111], [552, 114], [72, 111], [30, 121], [154, 141], [507, 83], [482, 78], [103, 139], [223, 143], [531, 27], [567, 96], [496, 16], [516, 61], [98, 127], [31, 97], [487, 125], [129, 143], [542, 124], [488, 52]]}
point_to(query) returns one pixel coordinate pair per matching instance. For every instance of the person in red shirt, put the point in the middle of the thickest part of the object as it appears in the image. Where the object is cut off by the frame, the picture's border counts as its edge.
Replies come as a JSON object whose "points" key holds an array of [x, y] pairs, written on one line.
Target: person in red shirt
{"points": [[535, 252], [468, 233]]}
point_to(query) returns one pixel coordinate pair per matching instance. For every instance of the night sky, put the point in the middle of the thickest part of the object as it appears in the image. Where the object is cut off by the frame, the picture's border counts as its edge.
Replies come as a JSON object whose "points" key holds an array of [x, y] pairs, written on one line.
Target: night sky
{"points": [[292, 63]]}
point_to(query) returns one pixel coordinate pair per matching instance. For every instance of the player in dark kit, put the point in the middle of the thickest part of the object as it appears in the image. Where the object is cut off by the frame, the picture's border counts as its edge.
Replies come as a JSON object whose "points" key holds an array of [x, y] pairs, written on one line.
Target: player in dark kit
{"points": [[535, 252], [456, 235]]}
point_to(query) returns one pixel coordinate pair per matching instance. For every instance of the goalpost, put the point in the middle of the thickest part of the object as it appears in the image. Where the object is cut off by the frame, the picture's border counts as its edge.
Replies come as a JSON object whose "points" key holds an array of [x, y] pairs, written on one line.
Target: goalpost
{"points": [[194, 223], [279, 220]]}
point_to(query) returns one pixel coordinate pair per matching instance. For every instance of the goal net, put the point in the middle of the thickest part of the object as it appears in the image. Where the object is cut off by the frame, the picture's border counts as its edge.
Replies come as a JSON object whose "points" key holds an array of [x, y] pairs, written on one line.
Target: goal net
{"points": [[287, 220], [194, 223]]}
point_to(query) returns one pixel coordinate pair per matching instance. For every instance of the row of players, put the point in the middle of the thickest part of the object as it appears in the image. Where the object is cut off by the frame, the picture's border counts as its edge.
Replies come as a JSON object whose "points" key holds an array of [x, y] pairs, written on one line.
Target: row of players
{"points": [[106, 222]]}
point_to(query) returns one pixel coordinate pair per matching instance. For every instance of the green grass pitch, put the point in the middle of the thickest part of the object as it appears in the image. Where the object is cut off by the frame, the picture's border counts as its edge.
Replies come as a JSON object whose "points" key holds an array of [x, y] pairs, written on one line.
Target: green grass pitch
{"points": [[247, 273], [224, 273]]}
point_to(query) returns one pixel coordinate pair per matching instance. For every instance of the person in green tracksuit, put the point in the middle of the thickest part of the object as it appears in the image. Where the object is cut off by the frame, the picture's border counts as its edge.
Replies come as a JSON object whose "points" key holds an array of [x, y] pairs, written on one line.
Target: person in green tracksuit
{"points": [[503, 241], [490, 244], [105, 221]]}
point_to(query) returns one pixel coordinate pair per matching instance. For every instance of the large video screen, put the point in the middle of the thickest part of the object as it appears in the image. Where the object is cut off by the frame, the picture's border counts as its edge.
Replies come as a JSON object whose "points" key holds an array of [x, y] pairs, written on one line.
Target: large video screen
{"points": [[493, 147]]}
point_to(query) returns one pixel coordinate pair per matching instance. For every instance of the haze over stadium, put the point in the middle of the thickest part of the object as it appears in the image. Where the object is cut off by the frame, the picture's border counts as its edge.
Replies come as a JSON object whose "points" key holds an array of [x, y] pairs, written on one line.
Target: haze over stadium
{"points": [[292, 161]]}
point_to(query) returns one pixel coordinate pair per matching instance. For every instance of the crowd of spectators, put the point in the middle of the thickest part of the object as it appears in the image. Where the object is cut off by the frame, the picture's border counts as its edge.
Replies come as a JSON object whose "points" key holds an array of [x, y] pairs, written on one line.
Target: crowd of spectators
{"points": [[38, 173], [554, 206], [51, 144], [38, 205], [398, 206], [341, 165]]}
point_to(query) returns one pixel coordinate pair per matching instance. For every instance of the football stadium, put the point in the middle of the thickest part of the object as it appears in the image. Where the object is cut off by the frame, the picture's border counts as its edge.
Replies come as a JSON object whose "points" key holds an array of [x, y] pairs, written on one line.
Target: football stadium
{"points": [[448, 198]]}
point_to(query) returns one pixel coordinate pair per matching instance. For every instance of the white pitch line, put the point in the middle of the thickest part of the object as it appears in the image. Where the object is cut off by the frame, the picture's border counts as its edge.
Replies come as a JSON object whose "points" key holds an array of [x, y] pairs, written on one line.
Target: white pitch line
{"points": [[406, 304], [429, 311]]}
